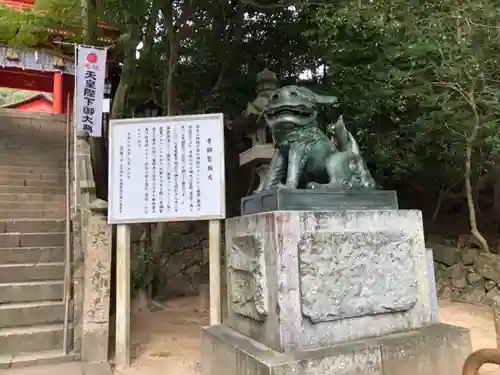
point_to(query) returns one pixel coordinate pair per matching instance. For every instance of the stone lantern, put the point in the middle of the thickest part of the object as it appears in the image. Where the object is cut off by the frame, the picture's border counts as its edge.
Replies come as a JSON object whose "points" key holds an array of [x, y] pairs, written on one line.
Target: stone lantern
{"points": [[148, 109], [251, 123]]}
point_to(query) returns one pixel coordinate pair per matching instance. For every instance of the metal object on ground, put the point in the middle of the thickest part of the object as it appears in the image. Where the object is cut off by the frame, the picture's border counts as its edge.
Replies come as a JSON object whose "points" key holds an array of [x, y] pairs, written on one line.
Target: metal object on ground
{"points": [[478, 358]]}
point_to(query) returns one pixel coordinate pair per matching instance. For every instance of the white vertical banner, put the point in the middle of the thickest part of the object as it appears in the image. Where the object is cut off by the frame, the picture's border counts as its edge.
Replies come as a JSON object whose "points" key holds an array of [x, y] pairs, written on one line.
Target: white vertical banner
{"points": [[89, 89]]}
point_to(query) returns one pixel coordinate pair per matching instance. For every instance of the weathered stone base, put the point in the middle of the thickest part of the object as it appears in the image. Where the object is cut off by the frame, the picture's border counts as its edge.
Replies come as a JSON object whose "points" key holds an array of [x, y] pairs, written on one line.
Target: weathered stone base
{"points": [[302, 280], [437, 349], [282, 199]]}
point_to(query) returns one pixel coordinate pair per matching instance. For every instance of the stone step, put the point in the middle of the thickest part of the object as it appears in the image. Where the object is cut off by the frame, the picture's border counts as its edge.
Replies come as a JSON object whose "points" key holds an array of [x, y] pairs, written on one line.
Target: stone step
{"points": [[41, 129], [44, 139], [32, 197], [17, 120], [32, 175], [14, 117], [29, 130], [21, 163], [33, 150], [40, 135], [32, 169], [30, 205], [41, 358], [31, 214], [24, 272], [33, 189], [34, 157], [30, 146], [32, 226], [31, 239], [9, 141], [28, 139], [33, 130], [30, 313], [31, 154], [31, 339], [45, 134], [31, 291], [20, 255], [31, 182], [27, 205], [10, 160]]}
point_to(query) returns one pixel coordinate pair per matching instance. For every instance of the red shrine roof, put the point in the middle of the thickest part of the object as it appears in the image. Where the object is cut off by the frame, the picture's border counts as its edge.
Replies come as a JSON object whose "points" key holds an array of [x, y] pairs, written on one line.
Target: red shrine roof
{"points": [[29, 4], [40, 97], [19, 4]]}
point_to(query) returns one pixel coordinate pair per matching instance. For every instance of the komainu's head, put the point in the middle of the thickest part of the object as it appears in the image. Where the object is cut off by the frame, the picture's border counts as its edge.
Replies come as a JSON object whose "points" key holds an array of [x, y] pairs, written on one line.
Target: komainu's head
{"points": [[294, 105]]}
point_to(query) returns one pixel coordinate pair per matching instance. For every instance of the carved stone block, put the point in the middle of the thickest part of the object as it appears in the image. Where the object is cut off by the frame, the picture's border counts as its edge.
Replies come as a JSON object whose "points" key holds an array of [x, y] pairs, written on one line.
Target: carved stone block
{"points": [[96, 284], [340, 279], [302, 279], [246, 265]]}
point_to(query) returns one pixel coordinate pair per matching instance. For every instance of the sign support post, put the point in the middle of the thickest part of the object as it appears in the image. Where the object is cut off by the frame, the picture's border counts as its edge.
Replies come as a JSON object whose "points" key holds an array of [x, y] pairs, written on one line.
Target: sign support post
{"points": [[122, 335], [214, 271], [164, 169]]}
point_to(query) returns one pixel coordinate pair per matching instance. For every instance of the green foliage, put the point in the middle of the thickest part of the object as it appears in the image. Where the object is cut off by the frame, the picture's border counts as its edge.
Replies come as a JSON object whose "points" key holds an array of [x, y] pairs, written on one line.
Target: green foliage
{"points": [[401, 70], [28, 28], [141, 277], [16, 27]]}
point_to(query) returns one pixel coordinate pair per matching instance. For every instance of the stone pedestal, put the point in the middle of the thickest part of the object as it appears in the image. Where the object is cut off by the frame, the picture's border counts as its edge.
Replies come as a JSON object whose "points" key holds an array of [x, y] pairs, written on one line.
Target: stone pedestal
{"points": [[337, 292], [437, 349], [300, 280]]}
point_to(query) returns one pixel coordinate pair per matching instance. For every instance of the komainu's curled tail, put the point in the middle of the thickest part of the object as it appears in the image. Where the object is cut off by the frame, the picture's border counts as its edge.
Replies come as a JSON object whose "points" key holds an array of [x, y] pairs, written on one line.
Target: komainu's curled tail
{"points": [[478, 358]]}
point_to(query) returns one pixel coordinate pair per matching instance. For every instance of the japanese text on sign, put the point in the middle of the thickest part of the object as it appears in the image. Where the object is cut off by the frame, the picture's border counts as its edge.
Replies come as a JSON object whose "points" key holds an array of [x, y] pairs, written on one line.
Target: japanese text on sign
{"points": [[89, 89], [166, 169]]}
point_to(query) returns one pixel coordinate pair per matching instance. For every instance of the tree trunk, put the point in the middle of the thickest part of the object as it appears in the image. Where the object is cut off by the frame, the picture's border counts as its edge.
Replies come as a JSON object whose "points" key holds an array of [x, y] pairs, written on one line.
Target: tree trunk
{"points": [[495, 183], [168, 104], [89, 19], [444, 191], [467, 177], [120, 98], [150, 31], [170, 69], [98, 148]]}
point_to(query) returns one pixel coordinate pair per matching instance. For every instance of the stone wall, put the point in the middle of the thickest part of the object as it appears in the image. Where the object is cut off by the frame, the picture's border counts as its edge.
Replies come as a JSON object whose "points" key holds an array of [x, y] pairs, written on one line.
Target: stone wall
{"points": [[186, 259], [183, 259], [467, 275]]}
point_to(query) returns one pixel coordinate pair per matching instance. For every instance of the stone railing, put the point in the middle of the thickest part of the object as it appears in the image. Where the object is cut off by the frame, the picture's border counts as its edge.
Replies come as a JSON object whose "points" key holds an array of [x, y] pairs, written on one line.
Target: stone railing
{"points": [[91, 260]]}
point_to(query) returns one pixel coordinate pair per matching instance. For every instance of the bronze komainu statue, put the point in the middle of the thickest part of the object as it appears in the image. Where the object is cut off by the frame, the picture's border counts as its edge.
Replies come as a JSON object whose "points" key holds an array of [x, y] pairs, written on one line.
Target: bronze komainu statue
{"points": [[305, 158]]}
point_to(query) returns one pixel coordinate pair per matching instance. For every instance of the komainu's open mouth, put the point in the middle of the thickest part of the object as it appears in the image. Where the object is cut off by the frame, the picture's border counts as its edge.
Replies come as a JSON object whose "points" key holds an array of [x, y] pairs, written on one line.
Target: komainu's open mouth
{"points": [[296, 111]]}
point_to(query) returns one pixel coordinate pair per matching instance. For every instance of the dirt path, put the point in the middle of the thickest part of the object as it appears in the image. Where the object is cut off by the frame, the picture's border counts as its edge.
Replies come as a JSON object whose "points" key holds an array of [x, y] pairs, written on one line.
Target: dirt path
{"points": [[167, 342], [479, 320]]}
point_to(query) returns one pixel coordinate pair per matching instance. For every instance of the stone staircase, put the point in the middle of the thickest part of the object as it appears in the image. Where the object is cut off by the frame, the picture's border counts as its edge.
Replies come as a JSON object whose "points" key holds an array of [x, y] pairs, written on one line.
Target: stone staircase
{"points": [[32, 237]]}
